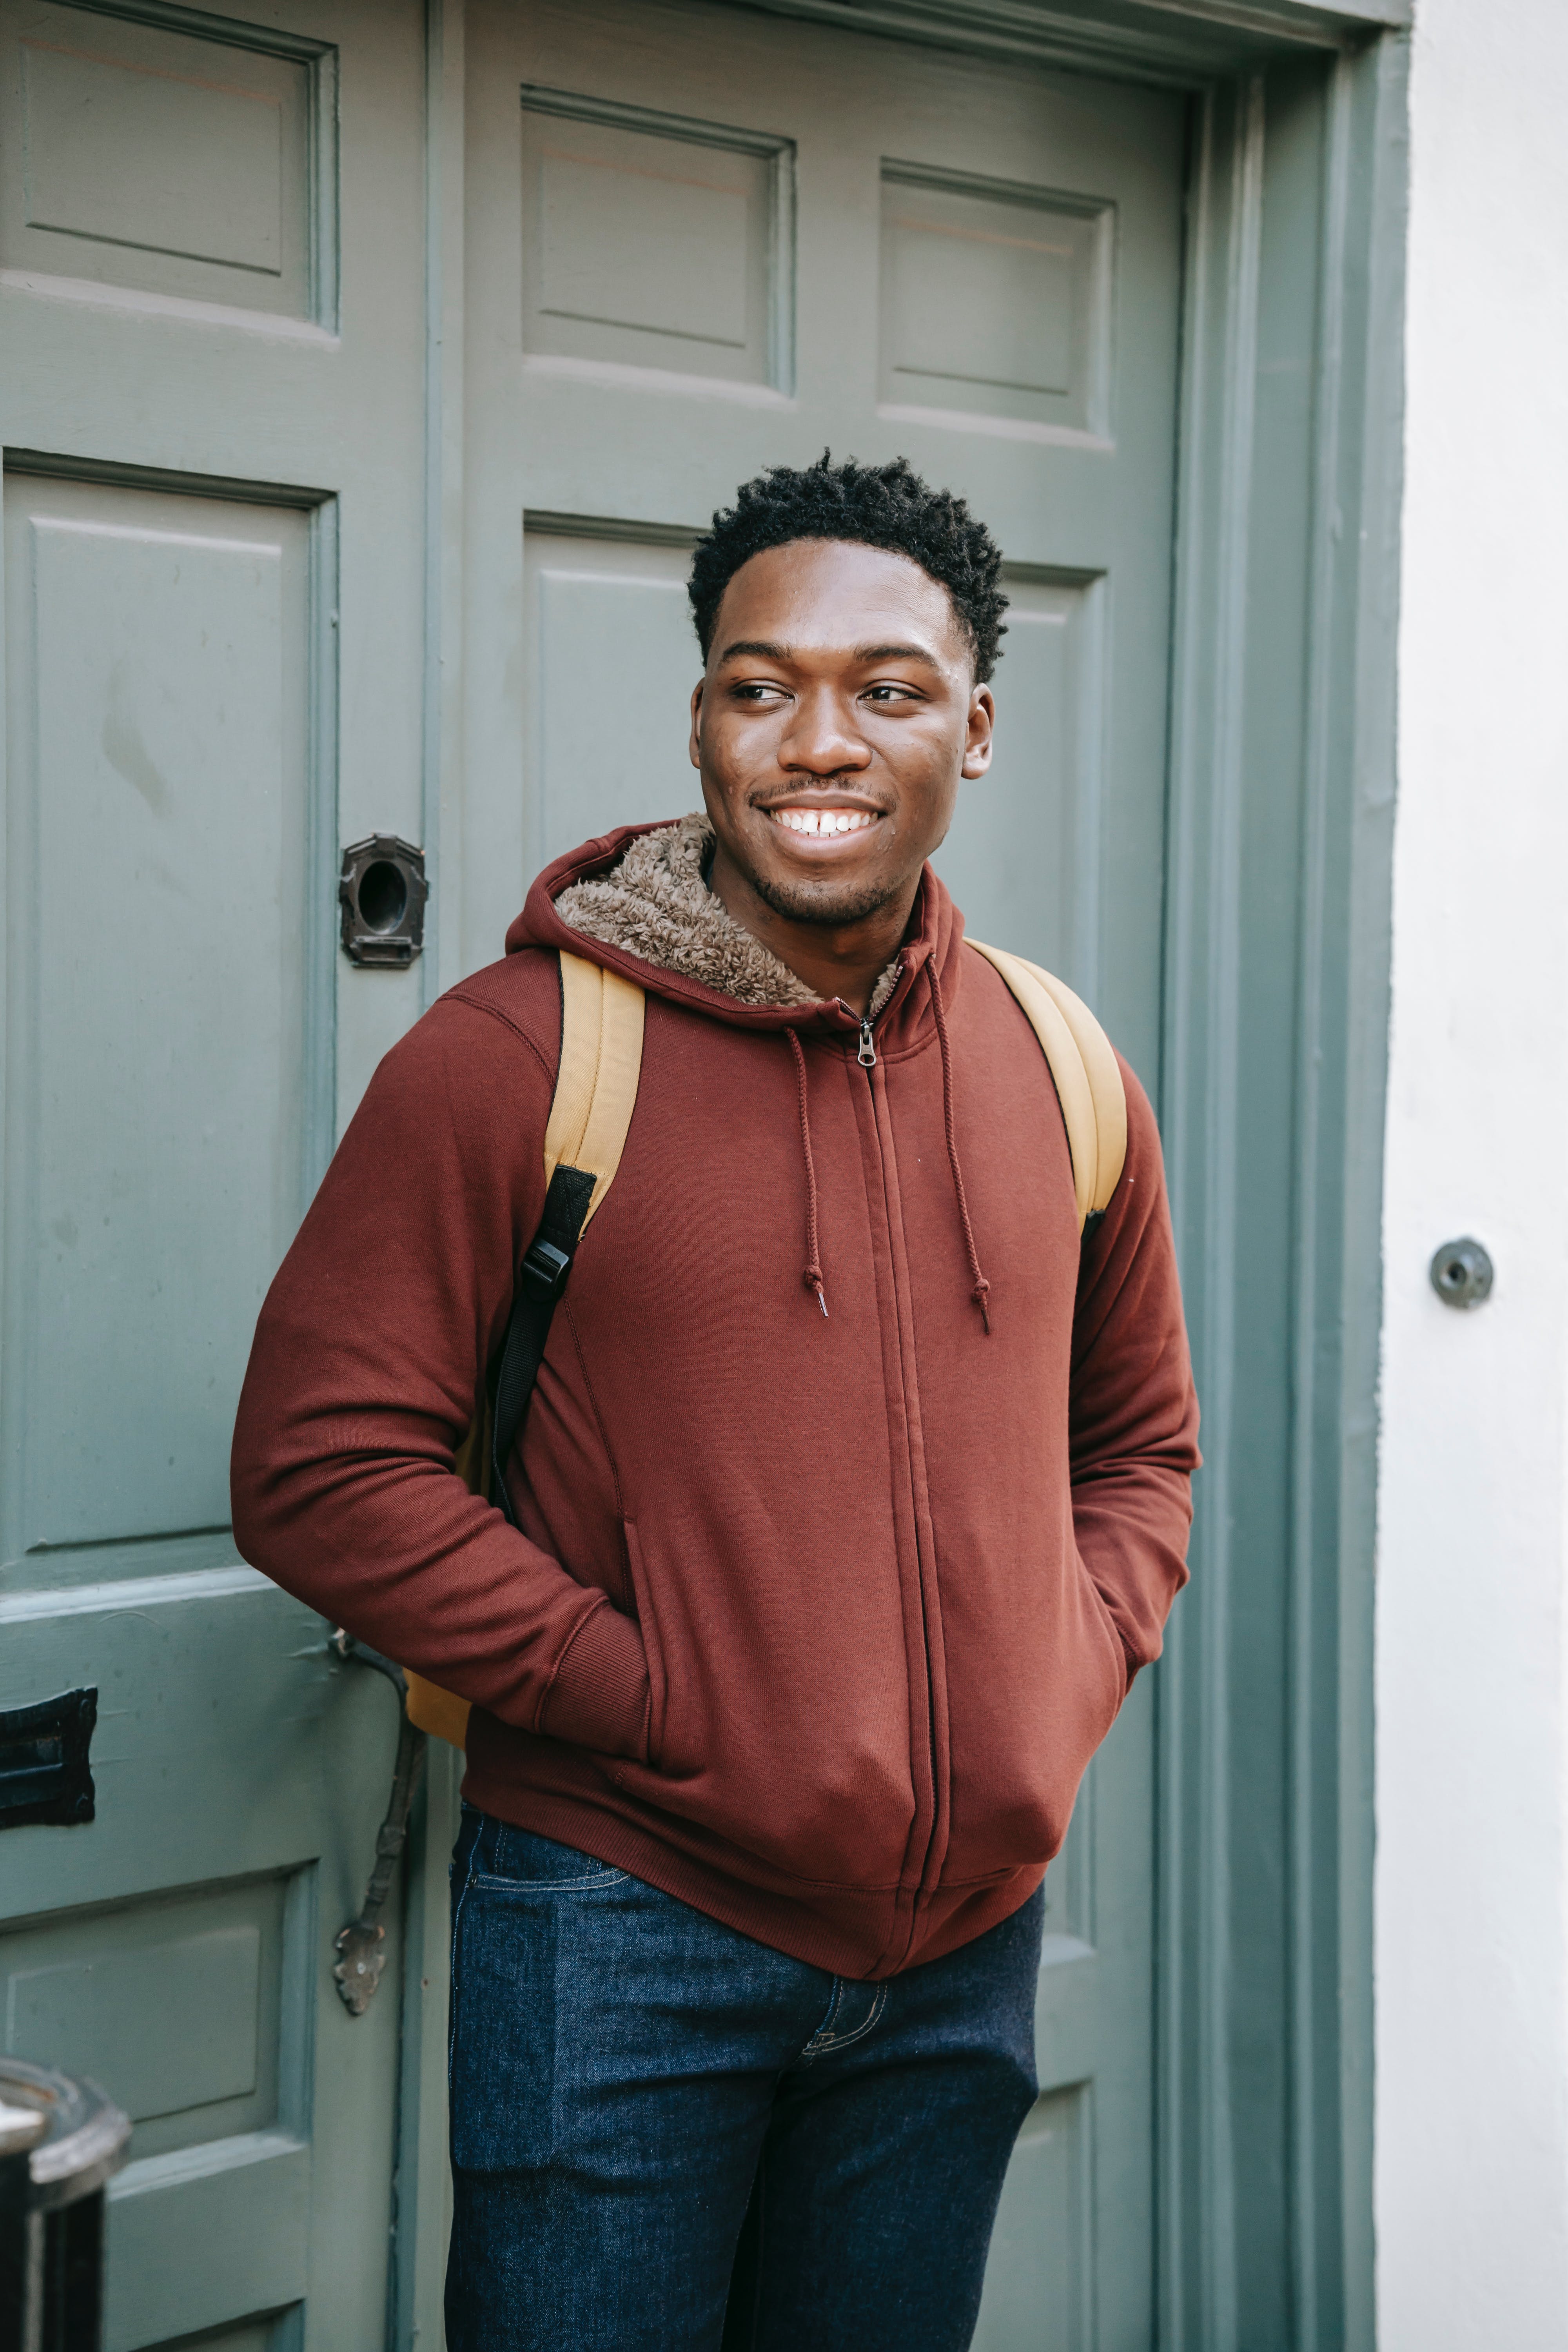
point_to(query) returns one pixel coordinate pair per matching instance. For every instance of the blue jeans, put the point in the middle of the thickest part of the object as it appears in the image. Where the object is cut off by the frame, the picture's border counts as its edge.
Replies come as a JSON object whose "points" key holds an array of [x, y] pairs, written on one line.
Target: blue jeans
{"points": [[666, 2137]]}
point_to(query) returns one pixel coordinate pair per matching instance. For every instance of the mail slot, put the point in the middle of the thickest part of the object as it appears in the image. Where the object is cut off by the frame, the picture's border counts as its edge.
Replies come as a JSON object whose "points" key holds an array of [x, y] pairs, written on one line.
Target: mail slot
{"points": [[46, 1770]]}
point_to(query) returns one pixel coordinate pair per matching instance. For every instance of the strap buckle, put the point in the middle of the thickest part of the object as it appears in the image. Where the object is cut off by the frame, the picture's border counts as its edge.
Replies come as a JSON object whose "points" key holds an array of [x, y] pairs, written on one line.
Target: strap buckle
{"points": [[545, 1270]]}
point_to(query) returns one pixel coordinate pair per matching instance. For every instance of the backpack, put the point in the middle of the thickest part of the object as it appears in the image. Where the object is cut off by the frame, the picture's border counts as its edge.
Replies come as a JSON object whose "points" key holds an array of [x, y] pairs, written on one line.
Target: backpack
{"points": [[595, 1090]]}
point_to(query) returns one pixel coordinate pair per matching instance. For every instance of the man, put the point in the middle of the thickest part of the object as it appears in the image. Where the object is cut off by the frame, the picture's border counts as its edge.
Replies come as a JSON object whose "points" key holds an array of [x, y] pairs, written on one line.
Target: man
{"points": [[852, 1494]]}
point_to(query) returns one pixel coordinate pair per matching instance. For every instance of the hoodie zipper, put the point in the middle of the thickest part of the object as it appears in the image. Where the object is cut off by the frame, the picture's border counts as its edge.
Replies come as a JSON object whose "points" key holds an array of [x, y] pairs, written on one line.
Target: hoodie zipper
{"points": [[867, 1058]]}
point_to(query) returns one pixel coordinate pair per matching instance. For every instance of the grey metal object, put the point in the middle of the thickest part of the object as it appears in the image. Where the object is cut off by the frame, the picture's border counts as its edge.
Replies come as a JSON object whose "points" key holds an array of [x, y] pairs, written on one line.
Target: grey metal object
{"points": [[60, 2142], [361, 1946], [1461, 1273], [381, 891]]}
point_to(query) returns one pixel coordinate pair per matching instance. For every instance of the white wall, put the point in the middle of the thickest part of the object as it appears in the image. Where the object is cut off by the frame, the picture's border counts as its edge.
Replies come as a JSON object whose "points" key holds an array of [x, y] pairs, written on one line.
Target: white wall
{"points": [[1472, 1675]]}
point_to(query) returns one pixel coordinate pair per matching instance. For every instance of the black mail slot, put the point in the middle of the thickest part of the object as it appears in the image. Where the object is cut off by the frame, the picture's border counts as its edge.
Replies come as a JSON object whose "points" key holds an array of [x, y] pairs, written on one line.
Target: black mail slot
{"points": [[46, 1772]]}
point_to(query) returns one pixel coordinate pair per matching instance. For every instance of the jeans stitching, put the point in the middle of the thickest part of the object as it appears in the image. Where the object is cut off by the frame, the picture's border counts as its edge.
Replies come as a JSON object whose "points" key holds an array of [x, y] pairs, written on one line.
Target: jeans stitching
{"points": [[457, 1926], [823, 2037], [816, 2046], [489, 1881]]}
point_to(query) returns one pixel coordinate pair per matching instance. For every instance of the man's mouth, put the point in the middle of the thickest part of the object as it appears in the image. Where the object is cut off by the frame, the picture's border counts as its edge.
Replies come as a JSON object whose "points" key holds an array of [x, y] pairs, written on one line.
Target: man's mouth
{"points": [[822, 824]]}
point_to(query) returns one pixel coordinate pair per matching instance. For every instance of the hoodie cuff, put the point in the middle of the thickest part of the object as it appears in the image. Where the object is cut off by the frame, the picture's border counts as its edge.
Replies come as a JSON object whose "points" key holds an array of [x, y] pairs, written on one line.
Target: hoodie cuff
{"points": [[599, 1698]]}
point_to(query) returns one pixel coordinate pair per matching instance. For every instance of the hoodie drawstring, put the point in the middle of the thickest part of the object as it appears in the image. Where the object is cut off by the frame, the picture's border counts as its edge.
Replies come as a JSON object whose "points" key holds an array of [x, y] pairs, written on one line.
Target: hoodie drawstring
{"points": [[982, 1289], [812, 1274]]}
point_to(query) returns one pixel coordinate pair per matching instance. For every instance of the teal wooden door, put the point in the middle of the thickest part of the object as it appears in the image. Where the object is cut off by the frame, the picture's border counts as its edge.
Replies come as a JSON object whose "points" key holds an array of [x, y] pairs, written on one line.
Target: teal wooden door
{"points": [[699, 243], [211, 309]]}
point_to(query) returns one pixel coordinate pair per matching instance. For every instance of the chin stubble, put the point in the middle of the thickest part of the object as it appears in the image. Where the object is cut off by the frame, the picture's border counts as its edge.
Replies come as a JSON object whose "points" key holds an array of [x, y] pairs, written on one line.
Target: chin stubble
{"points": [[830, 909]]}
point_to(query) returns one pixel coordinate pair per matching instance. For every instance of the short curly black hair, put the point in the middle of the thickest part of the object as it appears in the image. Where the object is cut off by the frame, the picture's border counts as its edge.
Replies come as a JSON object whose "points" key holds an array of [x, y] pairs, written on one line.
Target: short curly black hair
{"points": [[875, 506]]}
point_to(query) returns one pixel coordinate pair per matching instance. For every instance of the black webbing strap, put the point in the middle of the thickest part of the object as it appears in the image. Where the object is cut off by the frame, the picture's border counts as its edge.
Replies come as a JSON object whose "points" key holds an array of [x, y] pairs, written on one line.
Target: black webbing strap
{"points": [[546, 1263]]}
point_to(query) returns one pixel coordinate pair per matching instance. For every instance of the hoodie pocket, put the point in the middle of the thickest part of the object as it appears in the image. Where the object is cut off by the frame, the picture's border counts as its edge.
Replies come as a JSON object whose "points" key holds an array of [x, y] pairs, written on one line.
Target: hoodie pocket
{"points": [[1111, 1632], [769, 1728], [647, 1621]]}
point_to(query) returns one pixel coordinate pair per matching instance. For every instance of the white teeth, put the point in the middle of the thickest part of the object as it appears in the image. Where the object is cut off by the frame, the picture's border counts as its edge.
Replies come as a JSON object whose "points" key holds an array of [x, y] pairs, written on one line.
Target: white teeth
{"points": [[820, 823]]}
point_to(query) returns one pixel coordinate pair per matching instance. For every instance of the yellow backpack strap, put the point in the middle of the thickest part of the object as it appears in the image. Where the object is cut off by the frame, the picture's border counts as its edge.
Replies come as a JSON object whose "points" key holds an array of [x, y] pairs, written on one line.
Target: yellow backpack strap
{"points": [[1086, 1073], [597, 1086], [595, 1094]]}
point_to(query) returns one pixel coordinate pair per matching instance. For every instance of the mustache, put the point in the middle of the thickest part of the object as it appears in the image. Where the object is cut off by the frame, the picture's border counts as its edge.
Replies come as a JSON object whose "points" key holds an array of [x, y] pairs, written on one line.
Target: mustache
{"points": [[842, 780]]}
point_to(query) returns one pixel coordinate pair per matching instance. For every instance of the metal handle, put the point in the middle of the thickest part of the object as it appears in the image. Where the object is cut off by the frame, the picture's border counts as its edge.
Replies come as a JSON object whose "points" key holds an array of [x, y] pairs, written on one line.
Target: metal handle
{"points": [[360, 1945]]}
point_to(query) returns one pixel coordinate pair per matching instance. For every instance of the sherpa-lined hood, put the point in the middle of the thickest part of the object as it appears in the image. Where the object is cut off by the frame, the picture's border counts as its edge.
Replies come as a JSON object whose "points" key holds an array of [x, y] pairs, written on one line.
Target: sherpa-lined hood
{"points": [[653, 904], [813, 1624], [636, 901]]}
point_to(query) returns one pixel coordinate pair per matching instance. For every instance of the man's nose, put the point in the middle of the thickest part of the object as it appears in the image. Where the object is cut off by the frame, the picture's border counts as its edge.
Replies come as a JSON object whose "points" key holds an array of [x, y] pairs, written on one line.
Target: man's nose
{"points": [[822, 737]]}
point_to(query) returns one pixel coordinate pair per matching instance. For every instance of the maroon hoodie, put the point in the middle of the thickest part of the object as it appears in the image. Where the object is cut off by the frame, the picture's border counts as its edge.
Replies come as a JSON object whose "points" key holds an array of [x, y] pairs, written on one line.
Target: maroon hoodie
{"points": [[814, 1620]]}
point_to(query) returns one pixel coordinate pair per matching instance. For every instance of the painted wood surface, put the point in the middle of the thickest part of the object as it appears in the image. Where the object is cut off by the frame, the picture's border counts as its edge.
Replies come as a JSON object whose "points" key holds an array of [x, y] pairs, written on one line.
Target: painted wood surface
{"points": [[344, 320], [187, 619]]}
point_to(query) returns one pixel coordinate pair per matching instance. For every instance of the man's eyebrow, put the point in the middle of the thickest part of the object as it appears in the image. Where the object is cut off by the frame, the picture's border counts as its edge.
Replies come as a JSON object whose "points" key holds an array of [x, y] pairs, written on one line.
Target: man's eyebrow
{"points": [[758, 647], [897, 653], [763, 649]]}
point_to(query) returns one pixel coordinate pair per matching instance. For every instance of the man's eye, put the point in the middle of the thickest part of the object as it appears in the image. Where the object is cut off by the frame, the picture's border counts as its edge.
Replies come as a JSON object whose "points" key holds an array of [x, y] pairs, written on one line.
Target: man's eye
{"points": [[754, 693], [886, 694]]}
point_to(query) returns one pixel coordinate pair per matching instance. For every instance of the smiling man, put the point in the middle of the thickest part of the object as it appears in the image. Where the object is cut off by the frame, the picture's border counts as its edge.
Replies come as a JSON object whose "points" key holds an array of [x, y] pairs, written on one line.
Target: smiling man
{"points": [[852, 1494]]}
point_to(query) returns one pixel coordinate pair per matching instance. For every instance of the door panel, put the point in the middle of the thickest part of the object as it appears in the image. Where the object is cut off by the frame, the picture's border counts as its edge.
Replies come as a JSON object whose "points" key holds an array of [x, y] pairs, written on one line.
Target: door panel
{"points": [[655, 242], [1028, 273], [160, 791], [587, 769], [213, 608], [1024, 854], [983, 276], [213, 1965], [136, 155]]}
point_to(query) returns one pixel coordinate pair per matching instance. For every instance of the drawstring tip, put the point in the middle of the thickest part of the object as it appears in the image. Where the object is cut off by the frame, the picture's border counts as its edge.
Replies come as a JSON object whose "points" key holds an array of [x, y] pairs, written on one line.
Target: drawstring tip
{"points": [[811, 1278], [823, 1304], [980, 1294]]}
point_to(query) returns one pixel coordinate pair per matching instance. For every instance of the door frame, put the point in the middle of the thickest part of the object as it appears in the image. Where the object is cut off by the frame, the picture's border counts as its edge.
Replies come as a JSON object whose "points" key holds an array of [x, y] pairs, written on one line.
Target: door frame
{"points": [[1279, 830]]}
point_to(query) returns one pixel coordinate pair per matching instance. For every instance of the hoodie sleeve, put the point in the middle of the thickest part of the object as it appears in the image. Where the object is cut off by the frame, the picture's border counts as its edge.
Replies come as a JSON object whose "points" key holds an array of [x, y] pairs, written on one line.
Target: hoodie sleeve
{"points": [[1133, 1410], [367, 1363]]}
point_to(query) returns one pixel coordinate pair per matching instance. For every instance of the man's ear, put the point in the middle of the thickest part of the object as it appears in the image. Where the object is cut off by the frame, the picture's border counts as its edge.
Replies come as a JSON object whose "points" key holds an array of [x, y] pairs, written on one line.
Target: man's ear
{"points": [[981, 726], [694, 743]]}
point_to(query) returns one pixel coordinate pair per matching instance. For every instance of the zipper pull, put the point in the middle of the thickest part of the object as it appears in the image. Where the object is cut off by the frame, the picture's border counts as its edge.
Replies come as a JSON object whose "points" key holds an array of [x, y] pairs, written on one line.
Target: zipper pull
{"points": [[867, 1058]]}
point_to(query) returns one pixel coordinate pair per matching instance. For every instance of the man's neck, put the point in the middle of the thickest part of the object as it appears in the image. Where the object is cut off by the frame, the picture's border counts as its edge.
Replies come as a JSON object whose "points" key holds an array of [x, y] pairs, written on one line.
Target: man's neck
{"points": [[846, 964]]}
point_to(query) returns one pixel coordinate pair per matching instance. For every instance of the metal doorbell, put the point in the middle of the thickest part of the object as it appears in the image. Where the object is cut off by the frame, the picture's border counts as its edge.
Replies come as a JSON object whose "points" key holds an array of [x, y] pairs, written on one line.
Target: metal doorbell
{"points": [[1461, 1273]]}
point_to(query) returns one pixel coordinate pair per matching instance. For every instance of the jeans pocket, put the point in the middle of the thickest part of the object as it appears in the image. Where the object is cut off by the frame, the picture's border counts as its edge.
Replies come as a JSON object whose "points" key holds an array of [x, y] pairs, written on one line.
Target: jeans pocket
{"points": [[538, 1932], [505, 1859]]}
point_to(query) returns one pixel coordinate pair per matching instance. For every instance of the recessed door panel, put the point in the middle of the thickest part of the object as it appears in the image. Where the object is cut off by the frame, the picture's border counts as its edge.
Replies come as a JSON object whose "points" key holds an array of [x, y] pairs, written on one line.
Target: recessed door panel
{"points": [[1040, 2287], [159, 656], [1023, 856], [997, 300], [177, 1997], [655, 242], [612, 662], [140, 155]]}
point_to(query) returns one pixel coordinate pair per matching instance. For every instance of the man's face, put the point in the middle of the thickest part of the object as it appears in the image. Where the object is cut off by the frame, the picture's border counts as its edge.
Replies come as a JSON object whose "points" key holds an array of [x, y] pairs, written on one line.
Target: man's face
{"points": [[832, 725]]}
